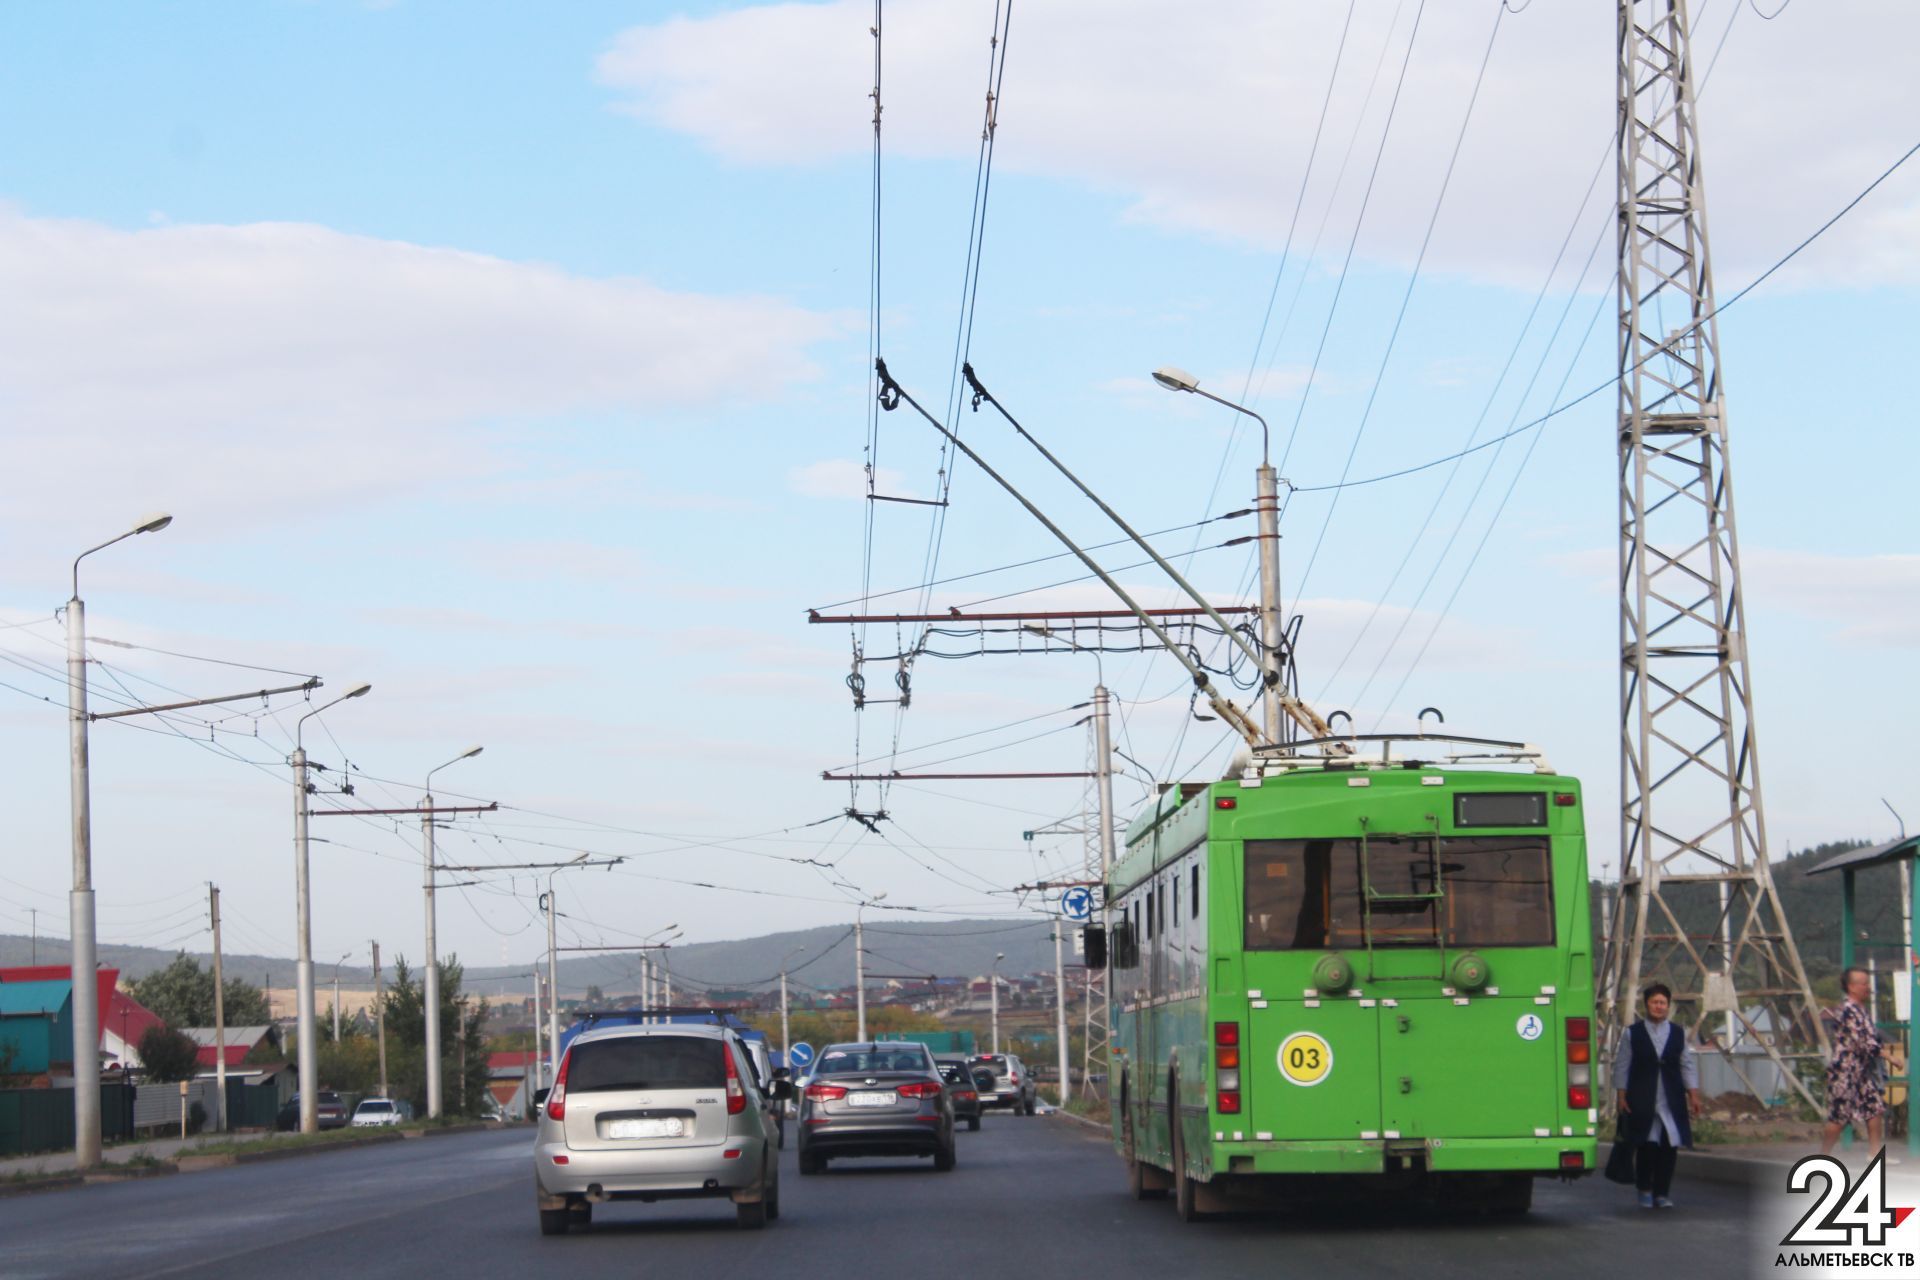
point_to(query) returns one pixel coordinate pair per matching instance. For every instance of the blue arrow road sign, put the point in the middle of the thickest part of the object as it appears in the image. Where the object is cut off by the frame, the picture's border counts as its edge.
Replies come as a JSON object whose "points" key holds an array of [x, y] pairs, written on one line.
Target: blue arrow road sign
{"points": [[799, 1057], [1077, 903]]}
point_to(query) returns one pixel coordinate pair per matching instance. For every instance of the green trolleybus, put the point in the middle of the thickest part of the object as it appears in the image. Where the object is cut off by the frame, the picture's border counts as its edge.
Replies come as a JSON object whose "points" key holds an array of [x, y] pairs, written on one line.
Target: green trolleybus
{"points": [[1332, 973]]}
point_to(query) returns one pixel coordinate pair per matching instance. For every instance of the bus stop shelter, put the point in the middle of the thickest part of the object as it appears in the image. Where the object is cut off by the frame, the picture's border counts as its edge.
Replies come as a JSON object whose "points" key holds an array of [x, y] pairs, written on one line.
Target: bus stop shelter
{"points": [[1850, 865]]}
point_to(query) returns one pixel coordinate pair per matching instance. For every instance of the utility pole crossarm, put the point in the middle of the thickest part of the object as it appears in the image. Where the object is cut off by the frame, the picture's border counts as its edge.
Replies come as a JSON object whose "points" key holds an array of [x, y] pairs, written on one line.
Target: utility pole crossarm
{"points": [[308, 687]]}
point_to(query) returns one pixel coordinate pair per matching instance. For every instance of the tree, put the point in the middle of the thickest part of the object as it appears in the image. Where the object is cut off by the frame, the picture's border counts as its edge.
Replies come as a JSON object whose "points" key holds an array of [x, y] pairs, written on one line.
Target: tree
{"points": [[462, 1039], [168, 1055], [181, 995]]}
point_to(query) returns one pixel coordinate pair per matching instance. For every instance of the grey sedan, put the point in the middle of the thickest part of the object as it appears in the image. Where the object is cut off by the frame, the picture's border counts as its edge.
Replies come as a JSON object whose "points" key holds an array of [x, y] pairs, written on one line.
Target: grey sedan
{"points": [[875, 1099]]}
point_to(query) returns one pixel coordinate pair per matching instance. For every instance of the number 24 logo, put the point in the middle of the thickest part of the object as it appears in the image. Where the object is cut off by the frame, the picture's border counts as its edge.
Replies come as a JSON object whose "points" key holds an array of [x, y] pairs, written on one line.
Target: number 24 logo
{"points": [[1842, 1205]]}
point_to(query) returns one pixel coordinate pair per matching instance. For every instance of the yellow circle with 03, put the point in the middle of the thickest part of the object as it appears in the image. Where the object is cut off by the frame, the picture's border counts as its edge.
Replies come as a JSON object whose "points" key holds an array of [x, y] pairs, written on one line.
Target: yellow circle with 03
{"points": [[1305, 1058]]}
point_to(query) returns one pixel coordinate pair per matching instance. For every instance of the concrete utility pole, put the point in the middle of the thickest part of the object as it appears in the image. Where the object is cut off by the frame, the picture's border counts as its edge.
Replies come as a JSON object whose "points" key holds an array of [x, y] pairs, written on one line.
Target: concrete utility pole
{"points": [[308, 1051], [219, 1016], [860, 967], [539, 1059], [380, 1017], [786, 1033], [993, 992], [431, 995], [1692, 819], [553, 988], [336, 994], [1060, 1006], [80, 906]]}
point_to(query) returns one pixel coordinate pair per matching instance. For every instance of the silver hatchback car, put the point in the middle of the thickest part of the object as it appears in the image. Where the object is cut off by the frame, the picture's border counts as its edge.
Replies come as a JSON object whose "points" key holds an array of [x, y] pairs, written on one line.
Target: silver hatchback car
{"points": [[656, 1113]]}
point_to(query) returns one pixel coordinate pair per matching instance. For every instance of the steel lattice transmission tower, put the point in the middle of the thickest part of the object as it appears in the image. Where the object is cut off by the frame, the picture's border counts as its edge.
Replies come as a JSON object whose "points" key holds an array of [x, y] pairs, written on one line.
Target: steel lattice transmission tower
{"points": [[1697, 906]]}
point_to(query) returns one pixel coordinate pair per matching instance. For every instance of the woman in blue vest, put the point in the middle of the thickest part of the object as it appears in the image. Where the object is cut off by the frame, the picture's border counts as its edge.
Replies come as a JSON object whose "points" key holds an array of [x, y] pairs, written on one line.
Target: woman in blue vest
{"points": [[1659, 1087]]}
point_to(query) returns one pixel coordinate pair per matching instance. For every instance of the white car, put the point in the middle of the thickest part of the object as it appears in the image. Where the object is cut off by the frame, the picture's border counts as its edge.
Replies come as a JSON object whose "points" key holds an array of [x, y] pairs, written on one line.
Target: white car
{"points": [[375, 1113], [664, 1112]]}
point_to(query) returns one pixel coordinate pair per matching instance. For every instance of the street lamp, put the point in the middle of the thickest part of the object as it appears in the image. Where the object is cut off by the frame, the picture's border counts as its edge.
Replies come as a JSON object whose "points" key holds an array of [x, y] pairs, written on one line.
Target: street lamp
{"points": [[336, 994], [1267, 503], [860, 965], [786, 1034], [993, 989], [431, 994], [80, 907], [303, 965]]}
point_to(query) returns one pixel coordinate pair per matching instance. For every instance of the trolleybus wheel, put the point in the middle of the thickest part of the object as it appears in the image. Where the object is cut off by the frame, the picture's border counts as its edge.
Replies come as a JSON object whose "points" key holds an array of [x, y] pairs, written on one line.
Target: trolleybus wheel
{"points": [[1185, 1190]]}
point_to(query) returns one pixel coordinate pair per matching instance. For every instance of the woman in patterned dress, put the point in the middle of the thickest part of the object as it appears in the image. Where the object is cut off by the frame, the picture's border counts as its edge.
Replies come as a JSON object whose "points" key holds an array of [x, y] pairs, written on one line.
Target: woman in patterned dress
{"points": [[1853, 1079]]}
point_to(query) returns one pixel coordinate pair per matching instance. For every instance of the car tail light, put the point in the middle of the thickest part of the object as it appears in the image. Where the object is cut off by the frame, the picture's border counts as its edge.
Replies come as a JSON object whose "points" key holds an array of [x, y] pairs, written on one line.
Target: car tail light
{"points": [[557, 1100], [825, 1092], [1226, 1067], [736, 1092], [1579, 1097], [919, 1089], [967, 1095]]}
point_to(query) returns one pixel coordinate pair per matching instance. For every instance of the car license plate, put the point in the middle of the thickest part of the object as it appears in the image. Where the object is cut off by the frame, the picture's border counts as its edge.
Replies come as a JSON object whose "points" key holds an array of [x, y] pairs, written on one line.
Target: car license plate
{"points": [[871, 1099], [670, 1128]]}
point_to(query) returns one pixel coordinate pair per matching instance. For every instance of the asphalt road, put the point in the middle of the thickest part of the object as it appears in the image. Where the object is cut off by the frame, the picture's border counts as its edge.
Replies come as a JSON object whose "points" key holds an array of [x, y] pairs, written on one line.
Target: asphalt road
{"points": [[1031, 1197]]}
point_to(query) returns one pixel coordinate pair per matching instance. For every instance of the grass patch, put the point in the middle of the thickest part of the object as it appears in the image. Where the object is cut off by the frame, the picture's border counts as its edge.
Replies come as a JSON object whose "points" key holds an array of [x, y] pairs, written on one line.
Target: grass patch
{"points": [[278, 1142], [1090, 1109]]}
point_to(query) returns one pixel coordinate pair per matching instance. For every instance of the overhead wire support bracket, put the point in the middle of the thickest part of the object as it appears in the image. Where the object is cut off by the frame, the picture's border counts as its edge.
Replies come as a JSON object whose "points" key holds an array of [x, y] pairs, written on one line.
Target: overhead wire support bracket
{"points": [[529, 866], [892, 393], [917, 502], [1055, 615], [308, 687], [830, 776], [416, 811]]}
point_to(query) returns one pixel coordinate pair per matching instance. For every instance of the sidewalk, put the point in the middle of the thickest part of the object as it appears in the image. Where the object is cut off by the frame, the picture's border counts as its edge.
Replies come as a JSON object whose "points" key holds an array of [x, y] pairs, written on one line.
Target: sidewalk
{"points": [[1767, 1163], [53, 1162]]}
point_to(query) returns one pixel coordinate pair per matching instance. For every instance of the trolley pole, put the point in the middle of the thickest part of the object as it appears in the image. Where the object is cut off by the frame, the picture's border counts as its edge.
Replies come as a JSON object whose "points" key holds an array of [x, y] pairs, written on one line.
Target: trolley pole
{"points": [[219, 1016], [553, 991], [539, 1060]]}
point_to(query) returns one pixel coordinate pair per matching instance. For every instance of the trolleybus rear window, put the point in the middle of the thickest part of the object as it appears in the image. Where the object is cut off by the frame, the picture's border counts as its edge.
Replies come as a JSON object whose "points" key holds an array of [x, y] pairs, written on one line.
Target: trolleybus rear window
{"points": [[1482, 891]]}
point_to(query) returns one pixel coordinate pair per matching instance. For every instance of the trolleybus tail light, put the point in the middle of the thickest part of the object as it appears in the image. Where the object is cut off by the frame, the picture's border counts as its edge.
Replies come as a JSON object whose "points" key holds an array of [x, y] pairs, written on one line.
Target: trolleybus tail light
{"points": [[1226, 1067], [1225, 802], [736, 1093], [557, 1100], [1572, 1160], [1579, 1097], [1579, 1063], [1565, 799]]}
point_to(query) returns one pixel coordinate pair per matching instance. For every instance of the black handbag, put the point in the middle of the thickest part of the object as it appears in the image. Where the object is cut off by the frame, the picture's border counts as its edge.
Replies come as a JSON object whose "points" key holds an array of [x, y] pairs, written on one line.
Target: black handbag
{"points": [[1620, 1163]]}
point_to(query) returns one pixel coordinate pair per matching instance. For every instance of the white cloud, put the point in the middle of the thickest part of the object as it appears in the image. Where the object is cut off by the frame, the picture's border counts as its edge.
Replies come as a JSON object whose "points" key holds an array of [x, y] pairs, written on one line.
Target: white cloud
{"points": [[310, 364], [1204, 116], [844, 478]]}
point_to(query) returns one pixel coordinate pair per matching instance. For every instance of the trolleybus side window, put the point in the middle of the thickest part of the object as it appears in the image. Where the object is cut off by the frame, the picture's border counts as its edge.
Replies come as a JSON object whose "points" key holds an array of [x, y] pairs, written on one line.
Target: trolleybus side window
{"points": [[1497, 891]]}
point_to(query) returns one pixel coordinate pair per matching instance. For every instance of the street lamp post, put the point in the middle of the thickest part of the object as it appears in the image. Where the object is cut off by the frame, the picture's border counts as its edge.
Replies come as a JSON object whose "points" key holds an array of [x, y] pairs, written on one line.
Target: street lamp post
{"points": [[860, 966], [1267, 504], [336, 994], [431, 994], [309, 1052], [786, 1033], [993, 991], [80, 906]]}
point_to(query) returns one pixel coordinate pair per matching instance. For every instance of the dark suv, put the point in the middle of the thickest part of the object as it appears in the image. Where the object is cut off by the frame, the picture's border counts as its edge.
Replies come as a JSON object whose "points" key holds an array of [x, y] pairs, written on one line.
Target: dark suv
{"points": [[963, 1089], [875, 1099], [331, 1111]]}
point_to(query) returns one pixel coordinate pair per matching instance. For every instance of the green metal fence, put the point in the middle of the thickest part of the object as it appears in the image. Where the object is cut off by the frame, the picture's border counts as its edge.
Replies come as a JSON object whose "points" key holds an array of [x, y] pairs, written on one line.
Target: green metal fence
{"points": [[36, 1120]]}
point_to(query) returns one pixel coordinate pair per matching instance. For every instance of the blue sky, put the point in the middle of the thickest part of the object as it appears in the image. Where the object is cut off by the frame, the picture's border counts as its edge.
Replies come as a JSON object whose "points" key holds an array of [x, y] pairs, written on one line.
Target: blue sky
{"points": [[514, 360]]}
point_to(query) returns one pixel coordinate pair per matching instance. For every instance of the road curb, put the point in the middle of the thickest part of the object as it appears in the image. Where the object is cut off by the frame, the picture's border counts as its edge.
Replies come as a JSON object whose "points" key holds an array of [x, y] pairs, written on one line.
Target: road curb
{"points": [[286, 1153], [1081, 1120], [52, 1182]]}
